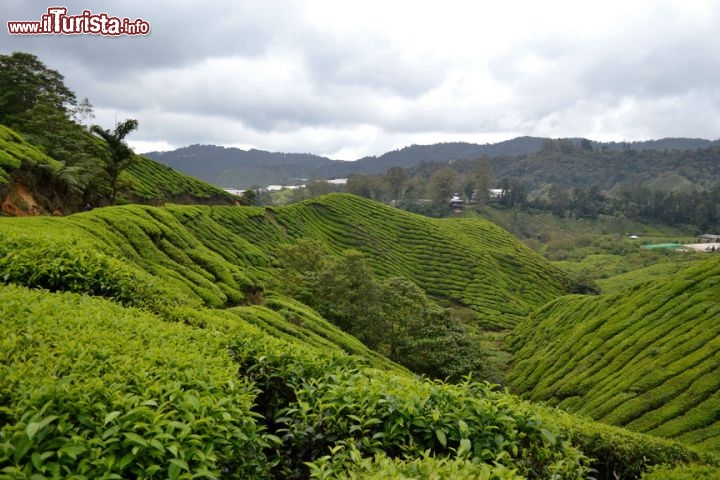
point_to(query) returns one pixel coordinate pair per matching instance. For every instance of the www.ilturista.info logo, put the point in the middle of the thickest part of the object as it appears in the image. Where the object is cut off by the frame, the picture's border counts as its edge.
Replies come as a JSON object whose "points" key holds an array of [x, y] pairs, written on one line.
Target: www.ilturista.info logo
{"points": [[58, 22]]}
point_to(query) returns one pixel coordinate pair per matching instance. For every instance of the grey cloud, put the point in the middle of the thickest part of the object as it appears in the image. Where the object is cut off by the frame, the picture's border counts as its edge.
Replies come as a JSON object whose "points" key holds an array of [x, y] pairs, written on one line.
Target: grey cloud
{"points": [[181, 33], [371, 63], [176, 83]]}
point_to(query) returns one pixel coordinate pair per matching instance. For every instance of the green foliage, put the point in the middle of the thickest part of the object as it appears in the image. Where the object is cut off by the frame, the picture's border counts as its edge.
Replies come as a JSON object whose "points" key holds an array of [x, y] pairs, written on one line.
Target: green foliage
{"points": [[63, 266], [645, 359], [16, 153], [91, 390], [393, 316], [238, 381], [443, 183], [619, 453], [684, 472], [468, 260], [151, 182], [61, 162], [335, 406], [382, 467], [120, 155], [75, 182], [26, 82], [396, 178]]}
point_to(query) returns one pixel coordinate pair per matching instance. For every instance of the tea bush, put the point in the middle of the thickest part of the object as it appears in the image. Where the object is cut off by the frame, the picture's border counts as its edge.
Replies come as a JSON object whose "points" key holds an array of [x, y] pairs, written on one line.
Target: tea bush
{"points": [[320, 405], [646, 359], [92, 390], [684, 472], [381, 467]]}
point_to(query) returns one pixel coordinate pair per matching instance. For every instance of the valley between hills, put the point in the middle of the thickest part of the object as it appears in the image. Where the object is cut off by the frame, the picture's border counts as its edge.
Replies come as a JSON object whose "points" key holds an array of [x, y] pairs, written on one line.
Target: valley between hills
{"points": [[145, 339]]}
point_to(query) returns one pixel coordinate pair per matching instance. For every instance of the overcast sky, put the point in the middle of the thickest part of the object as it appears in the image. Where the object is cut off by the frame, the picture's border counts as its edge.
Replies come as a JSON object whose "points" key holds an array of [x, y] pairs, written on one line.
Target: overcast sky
{"points": [[347, 79]]}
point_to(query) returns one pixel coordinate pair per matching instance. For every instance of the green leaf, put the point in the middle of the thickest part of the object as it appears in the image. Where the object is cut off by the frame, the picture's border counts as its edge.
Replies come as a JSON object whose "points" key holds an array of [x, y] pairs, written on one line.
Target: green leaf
{"points": [[174, 471], [441, 437], [126, 460], [36, 460], [21, 448], [462, 426], [72, 450], [204, 473], [136, 439], [111, 416], [157, 444], [180, 463], [465, 448], [34, 427]]}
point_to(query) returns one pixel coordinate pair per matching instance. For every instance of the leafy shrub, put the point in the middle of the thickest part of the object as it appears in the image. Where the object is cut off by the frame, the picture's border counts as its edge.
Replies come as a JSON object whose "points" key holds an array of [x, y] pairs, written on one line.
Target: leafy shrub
{"points": [[332, 404], [619, 453], [67, 266], [93, 390], [393, 317], [382, 467], [684, 472]]}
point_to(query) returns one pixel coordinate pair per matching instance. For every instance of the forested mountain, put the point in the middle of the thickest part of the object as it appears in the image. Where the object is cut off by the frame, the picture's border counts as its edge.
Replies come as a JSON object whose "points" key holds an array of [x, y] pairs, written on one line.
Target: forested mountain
{"points": [[236, 168], [573, 167]]}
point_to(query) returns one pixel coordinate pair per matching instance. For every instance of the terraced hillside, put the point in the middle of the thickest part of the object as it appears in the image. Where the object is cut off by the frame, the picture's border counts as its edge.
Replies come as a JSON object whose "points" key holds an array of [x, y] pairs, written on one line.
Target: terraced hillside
{"points": [[646, 359], [468, 260], [31, 182], [142, 342]]}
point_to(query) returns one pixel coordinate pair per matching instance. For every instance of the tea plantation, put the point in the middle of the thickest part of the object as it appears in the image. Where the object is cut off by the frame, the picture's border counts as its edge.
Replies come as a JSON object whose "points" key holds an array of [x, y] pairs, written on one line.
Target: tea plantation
{"points": [[646, 359], [145, 342], [52, 182]]}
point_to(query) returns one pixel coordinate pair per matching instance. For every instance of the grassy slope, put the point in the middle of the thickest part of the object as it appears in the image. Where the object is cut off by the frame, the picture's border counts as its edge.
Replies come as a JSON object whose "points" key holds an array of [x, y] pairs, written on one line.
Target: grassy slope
{"points": [[148, 181], [646, 359], [469, 260], [160, 265], [16, 153], [154, 183], [214, 253]]}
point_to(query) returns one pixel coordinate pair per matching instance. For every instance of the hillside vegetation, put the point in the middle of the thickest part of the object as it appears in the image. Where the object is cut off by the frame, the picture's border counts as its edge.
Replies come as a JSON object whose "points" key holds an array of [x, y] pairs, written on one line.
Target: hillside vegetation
{"points": [[52, 162], [32, 183], [467, 260], [143, 342], [646, 358]]}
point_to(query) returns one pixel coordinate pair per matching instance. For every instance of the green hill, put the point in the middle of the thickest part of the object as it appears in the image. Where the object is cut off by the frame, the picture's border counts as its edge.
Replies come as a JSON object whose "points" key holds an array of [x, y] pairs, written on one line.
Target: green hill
{"points": [[467, 260], [144, 342], [32, 182], [646, 358]]}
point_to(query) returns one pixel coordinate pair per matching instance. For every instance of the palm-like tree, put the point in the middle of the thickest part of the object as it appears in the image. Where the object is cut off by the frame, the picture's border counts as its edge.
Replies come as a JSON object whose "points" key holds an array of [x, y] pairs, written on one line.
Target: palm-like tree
{"points": [[121, 155]]}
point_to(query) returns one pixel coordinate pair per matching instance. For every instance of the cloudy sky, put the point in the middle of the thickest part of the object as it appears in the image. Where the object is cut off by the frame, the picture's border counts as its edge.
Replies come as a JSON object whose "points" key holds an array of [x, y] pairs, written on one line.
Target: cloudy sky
{"points": [[351, 78]]}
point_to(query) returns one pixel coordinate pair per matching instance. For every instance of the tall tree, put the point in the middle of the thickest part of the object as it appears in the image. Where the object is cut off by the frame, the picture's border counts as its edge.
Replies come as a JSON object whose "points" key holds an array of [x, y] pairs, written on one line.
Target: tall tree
{"points": [[396, 177], [120, 155], [478, 182], [442, 184], [26, 82]]}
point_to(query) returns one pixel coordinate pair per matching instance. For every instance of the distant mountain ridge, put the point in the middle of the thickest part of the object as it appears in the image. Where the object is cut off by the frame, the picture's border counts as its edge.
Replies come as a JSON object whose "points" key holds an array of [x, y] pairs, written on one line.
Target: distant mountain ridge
{"points": [[231, 167]]}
